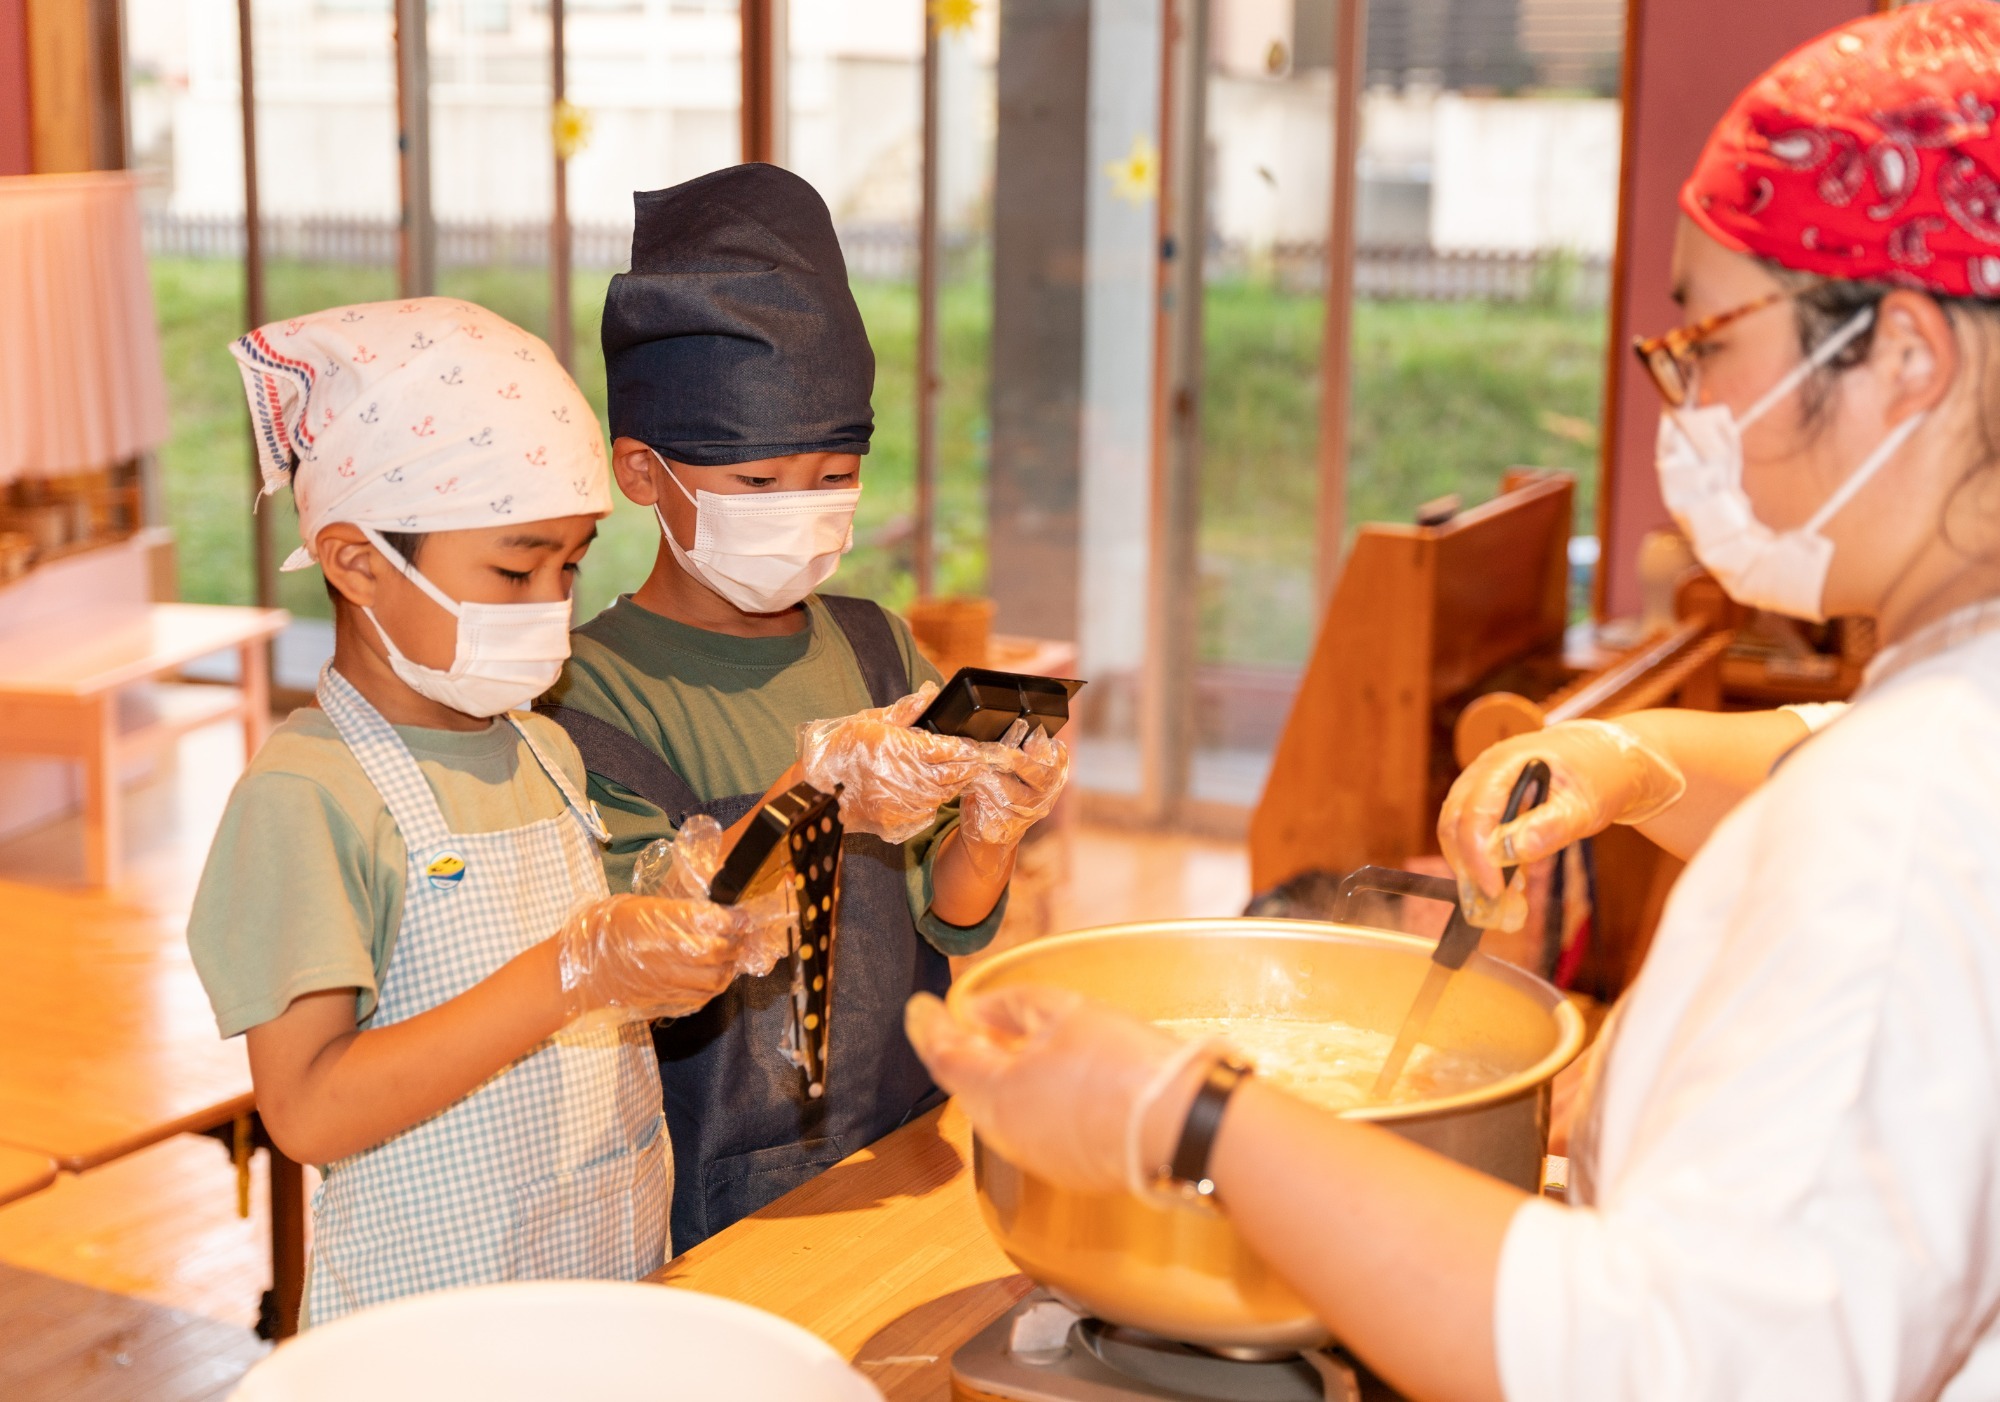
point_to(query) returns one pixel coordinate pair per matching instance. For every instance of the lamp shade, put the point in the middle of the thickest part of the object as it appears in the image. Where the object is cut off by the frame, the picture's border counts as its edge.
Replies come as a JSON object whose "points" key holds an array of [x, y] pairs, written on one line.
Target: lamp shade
{"points": [[81, 384]]}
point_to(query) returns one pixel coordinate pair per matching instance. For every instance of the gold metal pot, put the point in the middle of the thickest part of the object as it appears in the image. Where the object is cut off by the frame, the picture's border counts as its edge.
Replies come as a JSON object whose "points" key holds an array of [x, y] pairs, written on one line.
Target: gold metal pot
{"points": [[1182, 1272]]}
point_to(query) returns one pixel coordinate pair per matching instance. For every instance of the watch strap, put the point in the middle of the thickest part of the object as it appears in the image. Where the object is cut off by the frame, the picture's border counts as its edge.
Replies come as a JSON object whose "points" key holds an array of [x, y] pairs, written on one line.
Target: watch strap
{"points": [[1189, 1165]]}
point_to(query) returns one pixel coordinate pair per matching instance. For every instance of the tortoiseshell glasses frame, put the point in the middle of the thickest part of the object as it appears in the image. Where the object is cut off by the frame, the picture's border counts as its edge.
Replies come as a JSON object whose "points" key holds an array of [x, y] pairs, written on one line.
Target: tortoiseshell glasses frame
{"points": [[1666, 356]]}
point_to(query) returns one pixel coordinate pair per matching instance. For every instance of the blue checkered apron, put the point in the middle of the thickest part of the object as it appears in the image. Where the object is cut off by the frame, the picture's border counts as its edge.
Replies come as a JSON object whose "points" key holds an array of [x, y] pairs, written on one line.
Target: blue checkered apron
{"points": [[558, 1165]]}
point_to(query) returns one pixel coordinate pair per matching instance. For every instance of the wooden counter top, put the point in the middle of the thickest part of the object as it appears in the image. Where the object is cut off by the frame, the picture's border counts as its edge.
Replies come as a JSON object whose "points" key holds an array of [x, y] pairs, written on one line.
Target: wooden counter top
{"points": [[885, 1256]]}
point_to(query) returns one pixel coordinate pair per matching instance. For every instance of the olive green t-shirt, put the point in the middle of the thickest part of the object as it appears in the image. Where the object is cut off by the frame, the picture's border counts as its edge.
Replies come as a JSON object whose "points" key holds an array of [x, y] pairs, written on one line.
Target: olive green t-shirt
{"points": [[724, 713], [303, 889]]}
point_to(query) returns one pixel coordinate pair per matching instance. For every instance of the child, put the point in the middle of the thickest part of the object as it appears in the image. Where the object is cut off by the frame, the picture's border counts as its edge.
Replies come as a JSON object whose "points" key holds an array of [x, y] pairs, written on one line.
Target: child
{"points": [[404, 908], [740, 377]]}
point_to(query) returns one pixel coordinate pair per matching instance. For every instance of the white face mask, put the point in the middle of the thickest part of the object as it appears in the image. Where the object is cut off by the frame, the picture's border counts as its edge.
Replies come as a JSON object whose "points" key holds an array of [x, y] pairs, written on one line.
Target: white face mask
{"points": [[1700, 461], [506, 654], [764, 551]]}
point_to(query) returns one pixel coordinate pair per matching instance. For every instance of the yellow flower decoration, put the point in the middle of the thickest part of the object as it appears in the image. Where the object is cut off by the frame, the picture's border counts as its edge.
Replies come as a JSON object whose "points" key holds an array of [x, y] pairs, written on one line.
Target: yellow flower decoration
{"points": [[953, 16], [570, 126], [1135, 177]]}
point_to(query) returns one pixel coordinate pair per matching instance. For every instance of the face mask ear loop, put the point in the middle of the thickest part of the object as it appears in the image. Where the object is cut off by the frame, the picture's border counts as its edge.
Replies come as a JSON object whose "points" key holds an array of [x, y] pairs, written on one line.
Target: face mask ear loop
{"points": [[409, 571], [1857, 479], [1826, 350], [673, 479]]}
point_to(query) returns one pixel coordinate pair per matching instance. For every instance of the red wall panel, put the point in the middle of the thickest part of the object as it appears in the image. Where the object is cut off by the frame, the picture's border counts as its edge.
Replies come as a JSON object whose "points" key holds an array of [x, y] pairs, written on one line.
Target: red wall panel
{"points": [[1686, 62]]}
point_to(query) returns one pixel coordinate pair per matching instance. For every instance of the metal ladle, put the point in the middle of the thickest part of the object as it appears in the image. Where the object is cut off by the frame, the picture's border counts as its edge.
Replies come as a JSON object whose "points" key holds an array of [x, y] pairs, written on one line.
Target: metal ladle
{"points": [[1460, 937]]}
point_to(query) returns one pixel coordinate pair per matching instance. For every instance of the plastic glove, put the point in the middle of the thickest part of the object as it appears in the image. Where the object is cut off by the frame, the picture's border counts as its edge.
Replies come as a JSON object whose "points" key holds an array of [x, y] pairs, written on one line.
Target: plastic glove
{"points": [[893, 779], [1599, 774], [1016, 788], [684, 867], [1056, 1083], [644, 957]]}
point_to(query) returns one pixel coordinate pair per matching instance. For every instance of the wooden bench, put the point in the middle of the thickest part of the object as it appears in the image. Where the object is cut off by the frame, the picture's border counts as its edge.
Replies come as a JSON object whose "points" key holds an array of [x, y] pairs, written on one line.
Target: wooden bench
{"points": [[94, 688]]}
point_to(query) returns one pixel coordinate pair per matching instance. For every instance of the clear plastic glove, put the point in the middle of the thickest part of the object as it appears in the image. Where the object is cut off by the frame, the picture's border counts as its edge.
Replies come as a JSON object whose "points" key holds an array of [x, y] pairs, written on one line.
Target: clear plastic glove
{"points": [[635, 957], [1599, 774], [893, 779], [1018, 785], [684, 867], [1056, 1083]]}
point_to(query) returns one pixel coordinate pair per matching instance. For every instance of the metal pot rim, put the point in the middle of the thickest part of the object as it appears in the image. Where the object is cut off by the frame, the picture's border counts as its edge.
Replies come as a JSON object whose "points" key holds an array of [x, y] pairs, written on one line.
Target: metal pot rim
{"points": [[1528, 1080]]}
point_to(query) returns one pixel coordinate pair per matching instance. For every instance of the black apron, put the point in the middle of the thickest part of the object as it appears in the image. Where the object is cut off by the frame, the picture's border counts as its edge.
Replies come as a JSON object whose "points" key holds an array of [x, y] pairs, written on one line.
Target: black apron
{"points": [[744, 1131]]}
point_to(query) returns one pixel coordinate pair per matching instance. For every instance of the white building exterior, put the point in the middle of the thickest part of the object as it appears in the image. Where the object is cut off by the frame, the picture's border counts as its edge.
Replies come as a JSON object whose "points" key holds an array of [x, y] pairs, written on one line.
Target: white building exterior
{"points": [[659, 80]]}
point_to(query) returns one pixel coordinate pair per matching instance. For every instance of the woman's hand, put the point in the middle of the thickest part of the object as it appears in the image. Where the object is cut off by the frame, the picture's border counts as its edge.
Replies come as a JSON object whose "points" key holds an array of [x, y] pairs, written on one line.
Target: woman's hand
{"points": [[1599, 774], [893, 778], [1058, 1084]]}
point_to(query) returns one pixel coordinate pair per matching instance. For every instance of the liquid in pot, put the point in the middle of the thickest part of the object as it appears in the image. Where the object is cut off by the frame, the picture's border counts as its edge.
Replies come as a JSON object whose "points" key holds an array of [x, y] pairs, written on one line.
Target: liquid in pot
{"points": [[1334, 1064]]}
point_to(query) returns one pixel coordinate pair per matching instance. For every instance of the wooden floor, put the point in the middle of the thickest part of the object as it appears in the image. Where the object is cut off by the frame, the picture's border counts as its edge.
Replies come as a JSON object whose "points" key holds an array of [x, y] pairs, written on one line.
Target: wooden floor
{"points": [[138, 1280]]}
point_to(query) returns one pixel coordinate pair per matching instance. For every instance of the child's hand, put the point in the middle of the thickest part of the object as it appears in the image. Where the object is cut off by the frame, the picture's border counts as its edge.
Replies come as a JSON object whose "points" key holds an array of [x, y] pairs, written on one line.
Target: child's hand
{"points": [[1016, 787], [684, 867], [893, 778], [645, 957]]}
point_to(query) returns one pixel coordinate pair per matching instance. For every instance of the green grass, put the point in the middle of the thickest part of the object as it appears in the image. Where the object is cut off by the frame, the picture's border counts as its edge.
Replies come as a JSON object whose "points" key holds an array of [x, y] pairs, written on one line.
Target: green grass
{"points": [[1446, 398]]}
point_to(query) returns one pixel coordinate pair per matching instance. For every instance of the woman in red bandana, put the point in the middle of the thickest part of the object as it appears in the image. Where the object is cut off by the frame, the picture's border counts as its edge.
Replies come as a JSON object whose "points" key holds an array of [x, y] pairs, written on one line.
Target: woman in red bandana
{"points": [[1787, 1179]]}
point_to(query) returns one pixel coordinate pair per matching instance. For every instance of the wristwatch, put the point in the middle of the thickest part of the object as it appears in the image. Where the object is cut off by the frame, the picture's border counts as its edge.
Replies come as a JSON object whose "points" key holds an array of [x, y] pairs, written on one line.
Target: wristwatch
{"points": [[1188, 1169]]}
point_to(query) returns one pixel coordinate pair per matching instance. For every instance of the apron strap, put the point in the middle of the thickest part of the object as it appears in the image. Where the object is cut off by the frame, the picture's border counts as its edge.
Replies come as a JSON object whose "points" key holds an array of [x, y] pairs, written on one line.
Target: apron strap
{"points": [[866, 624], [585, 811], [387, 762], [630, 763], [612, 754]]}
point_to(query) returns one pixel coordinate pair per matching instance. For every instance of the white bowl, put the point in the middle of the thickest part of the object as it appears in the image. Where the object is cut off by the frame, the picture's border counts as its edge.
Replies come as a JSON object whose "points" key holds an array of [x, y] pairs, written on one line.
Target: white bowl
{"points": [[546, 1340]]}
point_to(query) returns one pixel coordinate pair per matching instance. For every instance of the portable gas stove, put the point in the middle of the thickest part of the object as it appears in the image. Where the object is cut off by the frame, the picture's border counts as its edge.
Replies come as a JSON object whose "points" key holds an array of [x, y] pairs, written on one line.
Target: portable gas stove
{"points": [[1043, 1351]]}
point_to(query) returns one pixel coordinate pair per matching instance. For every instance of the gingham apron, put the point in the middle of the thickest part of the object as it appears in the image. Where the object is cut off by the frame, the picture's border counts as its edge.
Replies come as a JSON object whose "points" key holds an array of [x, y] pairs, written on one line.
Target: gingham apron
{"points": [[558, 1165]]}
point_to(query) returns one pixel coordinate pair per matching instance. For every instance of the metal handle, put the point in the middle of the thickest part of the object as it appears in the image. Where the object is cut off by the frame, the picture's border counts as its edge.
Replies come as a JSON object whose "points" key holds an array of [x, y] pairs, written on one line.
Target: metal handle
{"points": [[1534, 775], [1460, 936], [1391, 881]]}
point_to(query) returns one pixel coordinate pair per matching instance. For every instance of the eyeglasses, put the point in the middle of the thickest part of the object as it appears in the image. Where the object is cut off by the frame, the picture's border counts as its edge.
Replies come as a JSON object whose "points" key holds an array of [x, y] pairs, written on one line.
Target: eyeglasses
{"points": [[1666, 357]]}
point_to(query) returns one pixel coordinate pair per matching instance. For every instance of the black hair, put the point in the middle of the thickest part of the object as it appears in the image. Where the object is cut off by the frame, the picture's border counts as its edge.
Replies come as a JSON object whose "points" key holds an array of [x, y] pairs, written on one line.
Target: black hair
{"points": [[404, 543], [1822, 305]]}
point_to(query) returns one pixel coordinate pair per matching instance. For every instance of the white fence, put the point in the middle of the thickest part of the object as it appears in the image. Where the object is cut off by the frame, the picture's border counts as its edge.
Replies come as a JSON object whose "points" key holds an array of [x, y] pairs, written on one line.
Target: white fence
{"points": [[888, 253]]}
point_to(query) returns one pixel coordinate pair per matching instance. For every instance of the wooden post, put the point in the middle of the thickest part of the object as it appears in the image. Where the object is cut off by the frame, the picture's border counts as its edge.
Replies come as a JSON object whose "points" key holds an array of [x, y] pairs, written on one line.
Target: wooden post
{"points": [[1166, 708], [288, 1240], [417, 243], [1337, 345], [263, 548], [17, 111], [561, 332], [930, 379], [757, 106]]}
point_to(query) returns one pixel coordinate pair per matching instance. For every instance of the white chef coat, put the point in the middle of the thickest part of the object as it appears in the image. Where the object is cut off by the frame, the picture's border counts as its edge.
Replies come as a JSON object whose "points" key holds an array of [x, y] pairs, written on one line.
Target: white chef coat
{"points": [[1794, 1175]]}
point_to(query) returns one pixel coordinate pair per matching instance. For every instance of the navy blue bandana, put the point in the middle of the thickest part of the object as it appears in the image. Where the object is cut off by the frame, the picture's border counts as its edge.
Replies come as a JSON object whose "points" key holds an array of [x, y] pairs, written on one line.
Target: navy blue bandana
{"points": [[735, 336]]}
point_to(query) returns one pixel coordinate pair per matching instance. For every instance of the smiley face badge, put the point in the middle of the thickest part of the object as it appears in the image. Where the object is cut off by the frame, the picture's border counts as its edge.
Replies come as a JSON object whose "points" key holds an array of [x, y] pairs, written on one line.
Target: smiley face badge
{"points": [[445, 870]]}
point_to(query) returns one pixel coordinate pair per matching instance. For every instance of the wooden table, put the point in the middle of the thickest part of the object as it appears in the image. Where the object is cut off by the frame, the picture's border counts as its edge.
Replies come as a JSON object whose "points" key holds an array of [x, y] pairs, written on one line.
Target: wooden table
{"points": [[90, 688], [108, 1046], [885, 1256], [23, 1172]]}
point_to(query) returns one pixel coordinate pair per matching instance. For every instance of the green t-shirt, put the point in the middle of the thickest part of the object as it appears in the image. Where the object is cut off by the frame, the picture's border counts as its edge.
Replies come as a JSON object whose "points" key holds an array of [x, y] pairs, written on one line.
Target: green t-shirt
{"points": [[303, 890], [724, 713]]}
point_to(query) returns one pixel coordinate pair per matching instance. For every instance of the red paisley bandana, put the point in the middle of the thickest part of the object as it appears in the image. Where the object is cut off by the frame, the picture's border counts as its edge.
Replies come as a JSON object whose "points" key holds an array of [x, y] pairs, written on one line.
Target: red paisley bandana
{"points": [[1870, 153]]}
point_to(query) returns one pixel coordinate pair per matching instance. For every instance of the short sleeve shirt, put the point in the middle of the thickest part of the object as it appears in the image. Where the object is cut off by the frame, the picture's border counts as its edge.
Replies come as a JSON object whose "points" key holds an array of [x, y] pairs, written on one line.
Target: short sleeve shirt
{"points": [[303, 888]]}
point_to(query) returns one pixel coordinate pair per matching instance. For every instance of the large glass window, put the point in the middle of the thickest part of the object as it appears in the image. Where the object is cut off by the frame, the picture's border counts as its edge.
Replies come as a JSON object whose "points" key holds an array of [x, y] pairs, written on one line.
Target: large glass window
{"points": [[1488, 210], [1485, 212], [655, 84]]}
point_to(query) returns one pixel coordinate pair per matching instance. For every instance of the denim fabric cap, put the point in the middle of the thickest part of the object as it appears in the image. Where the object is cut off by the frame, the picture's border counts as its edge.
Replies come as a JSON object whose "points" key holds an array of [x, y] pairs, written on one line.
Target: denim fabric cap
{"points": [[735, 336]]}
